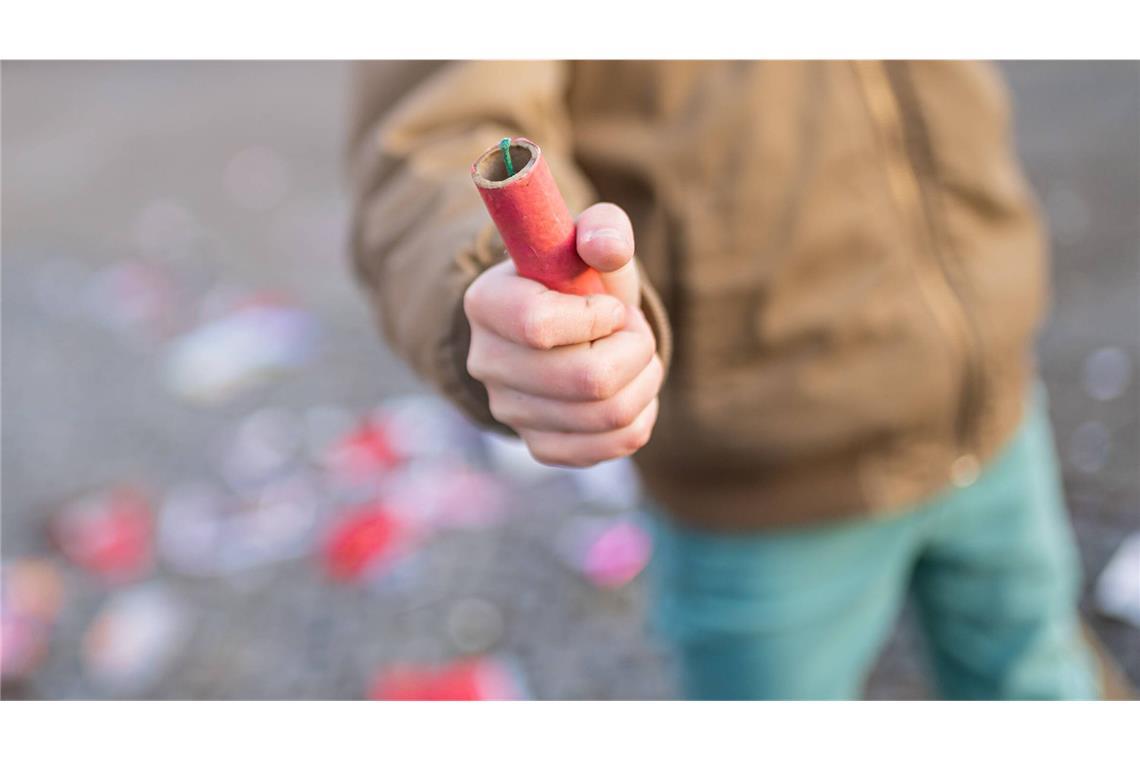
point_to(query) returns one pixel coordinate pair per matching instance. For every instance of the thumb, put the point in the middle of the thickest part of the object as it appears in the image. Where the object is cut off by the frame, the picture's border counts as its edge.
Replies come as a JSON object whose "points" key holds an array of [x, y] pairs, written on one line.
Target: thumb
{"points": [[605, 242]]}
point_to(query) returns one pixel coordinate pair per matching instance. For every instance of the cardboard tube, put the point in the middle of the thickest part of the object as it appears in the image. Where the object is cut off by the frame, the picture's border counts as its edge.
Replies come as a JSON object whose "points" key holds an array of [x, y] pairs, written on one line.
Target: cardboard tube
{"points": [[533, 220]]}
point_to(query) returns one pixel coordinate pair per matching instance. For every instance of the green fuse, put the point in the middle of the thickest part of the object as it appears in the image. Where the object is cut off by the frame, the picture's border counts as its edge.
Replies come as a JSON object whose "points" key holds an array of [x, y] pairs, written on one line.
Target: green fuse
{"points": [[505, 146]]}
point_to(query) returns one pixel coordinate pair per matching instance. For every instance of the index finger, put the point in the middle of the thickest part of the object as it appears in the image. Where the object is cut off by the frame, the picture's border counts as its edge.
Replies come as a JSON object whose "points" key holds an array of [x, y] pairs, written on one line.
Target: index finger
{"points": [[528, 313]]}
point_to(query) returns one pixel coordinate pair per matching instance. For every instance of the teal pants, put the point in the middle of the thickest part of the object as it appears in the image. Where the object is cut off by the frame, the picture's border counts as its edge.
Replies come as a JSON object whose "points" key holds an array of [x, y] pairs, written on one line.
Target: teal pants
{"points": [[991, 568]]}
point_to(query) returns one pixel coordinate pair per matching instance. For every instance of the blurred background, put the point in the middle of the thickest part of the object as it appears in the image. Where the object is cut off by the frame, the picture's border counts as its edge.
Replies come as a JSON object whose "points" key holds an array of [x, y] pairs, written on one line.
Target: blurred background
{"points": [[217, 483]]}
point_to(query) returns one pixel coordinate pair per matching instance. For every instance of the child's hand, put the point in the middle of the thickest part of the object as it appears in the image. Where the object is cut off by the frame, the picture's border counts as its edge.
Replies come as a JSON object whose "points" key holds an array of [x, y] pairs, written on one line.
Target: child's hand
{"points": [[575, 376]]}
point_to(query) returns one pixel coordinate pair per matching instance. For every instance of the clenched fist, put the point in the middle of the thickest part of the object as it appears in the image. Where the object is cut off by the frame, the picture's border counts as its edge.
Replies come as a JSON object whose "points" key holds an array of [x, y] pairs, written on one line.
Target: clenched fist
{"points": [[575, 376]]}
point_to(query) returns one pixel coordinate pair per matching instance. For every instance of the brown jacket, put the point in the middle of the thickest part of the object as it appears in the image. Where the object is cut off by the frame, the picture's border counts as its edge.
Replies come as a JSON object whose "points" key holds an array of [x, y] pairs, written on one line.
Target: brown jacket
{"points": [[849, 257]]}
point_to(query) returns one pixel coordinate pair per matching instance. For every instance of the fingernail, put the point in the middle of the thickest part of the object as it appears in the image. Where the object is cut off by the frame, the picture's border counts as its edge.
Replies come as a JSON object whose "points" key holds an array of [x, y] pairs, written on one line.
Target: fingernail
{"points": [[602, 233]]}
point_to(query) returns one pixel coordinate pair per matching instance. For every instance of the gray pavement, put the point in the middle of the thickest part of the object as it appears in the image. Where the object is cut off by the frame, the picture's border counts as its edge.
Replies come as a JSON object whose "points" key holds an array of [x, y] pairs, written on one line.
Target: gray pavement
{"points": [[100, 160]]}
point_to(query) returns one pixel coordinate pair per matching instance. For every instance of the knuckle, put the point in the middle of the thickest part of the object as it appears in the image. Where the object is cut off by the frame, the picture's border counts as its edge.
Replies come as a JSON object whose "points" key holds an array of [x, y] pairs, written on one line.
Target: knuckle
{"points": [[473, 298], [598, 381], [501, 410], [594, 316], [638, 436], [642, 437], [475, 366], [536, 329], [619, 413], [634, 443]]}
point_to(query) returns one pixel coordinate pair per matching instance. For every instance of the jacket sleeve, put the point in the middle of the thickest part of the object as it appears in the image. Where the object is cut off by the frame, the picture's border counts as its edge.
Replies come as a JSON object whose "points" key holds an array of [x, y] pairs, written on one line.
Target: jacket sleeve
{"points": [[420, 233]]}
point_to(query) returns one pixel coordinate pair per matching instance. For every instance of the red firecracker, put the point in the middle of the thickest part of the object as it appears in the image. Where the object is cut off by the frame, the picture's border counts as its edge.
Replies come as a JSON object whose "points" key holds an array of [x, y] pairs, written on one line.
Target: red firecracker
{"points": [[532, 218]]}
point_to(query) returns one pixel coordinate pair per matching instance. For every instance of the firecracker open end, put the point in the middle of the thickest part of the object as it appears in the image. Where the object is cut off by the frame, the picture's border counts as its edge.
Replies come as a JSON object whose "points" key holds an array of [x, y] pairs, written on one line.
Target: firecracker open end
{"points": [[491, 171]]}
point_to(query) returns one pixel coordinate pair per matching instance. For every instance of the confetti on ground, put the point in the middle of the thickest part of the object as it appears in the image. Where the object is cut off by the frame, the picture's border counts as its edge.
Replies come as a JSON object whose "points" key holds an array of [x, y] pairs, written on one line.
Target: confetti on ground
{"points": [[107, 533], [221, 359], [134, 639], [31, 597], [365, 541], [608, 553], [1117, 592], [466, 680]]}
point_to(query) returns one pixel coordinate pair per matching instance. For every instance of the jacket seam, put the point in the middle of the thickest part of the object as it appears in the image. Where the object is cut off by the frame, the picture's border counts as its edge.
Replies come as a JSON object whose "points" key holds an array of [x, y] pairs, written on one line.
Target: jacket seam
{"points": [[946, 304], [924, 165]]}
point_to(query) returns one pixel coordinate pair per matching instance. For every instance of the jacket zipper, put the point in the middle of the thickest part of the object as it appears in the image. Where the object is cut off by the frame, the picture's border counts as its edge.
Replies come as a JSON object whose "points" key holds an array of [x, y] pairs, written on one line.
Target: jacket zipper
{"points": [[934, 282]]}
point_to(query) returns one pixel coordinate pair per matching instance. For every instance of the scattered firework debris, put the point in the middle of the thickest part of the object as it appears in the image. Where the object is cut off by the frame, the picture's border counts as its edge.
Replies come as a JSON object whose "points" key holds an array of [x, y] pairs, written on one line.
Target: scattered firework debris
{"points": [[238, 351], [364, 542], [423, 426], [363, 496], [218, 340], [361, 456], [606, 552], [446, 494], [136, 298], [325, 424], [1117, 592], [264, 445], [193, 530], [134, 639], [31, 597], [107, 533], [362, 493], [204, 532], [478, 679]]}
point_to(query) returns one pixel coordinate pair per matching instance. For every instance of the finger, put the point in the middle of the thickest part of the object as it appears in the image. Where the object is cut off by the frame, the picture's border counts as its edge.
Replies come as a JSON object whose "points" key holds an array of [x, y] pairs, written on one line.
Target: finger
{"points": [[528, 313], [586, 449], [635, 321], [520, 410], [585, 372], [605, 237], [605, 242]]}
